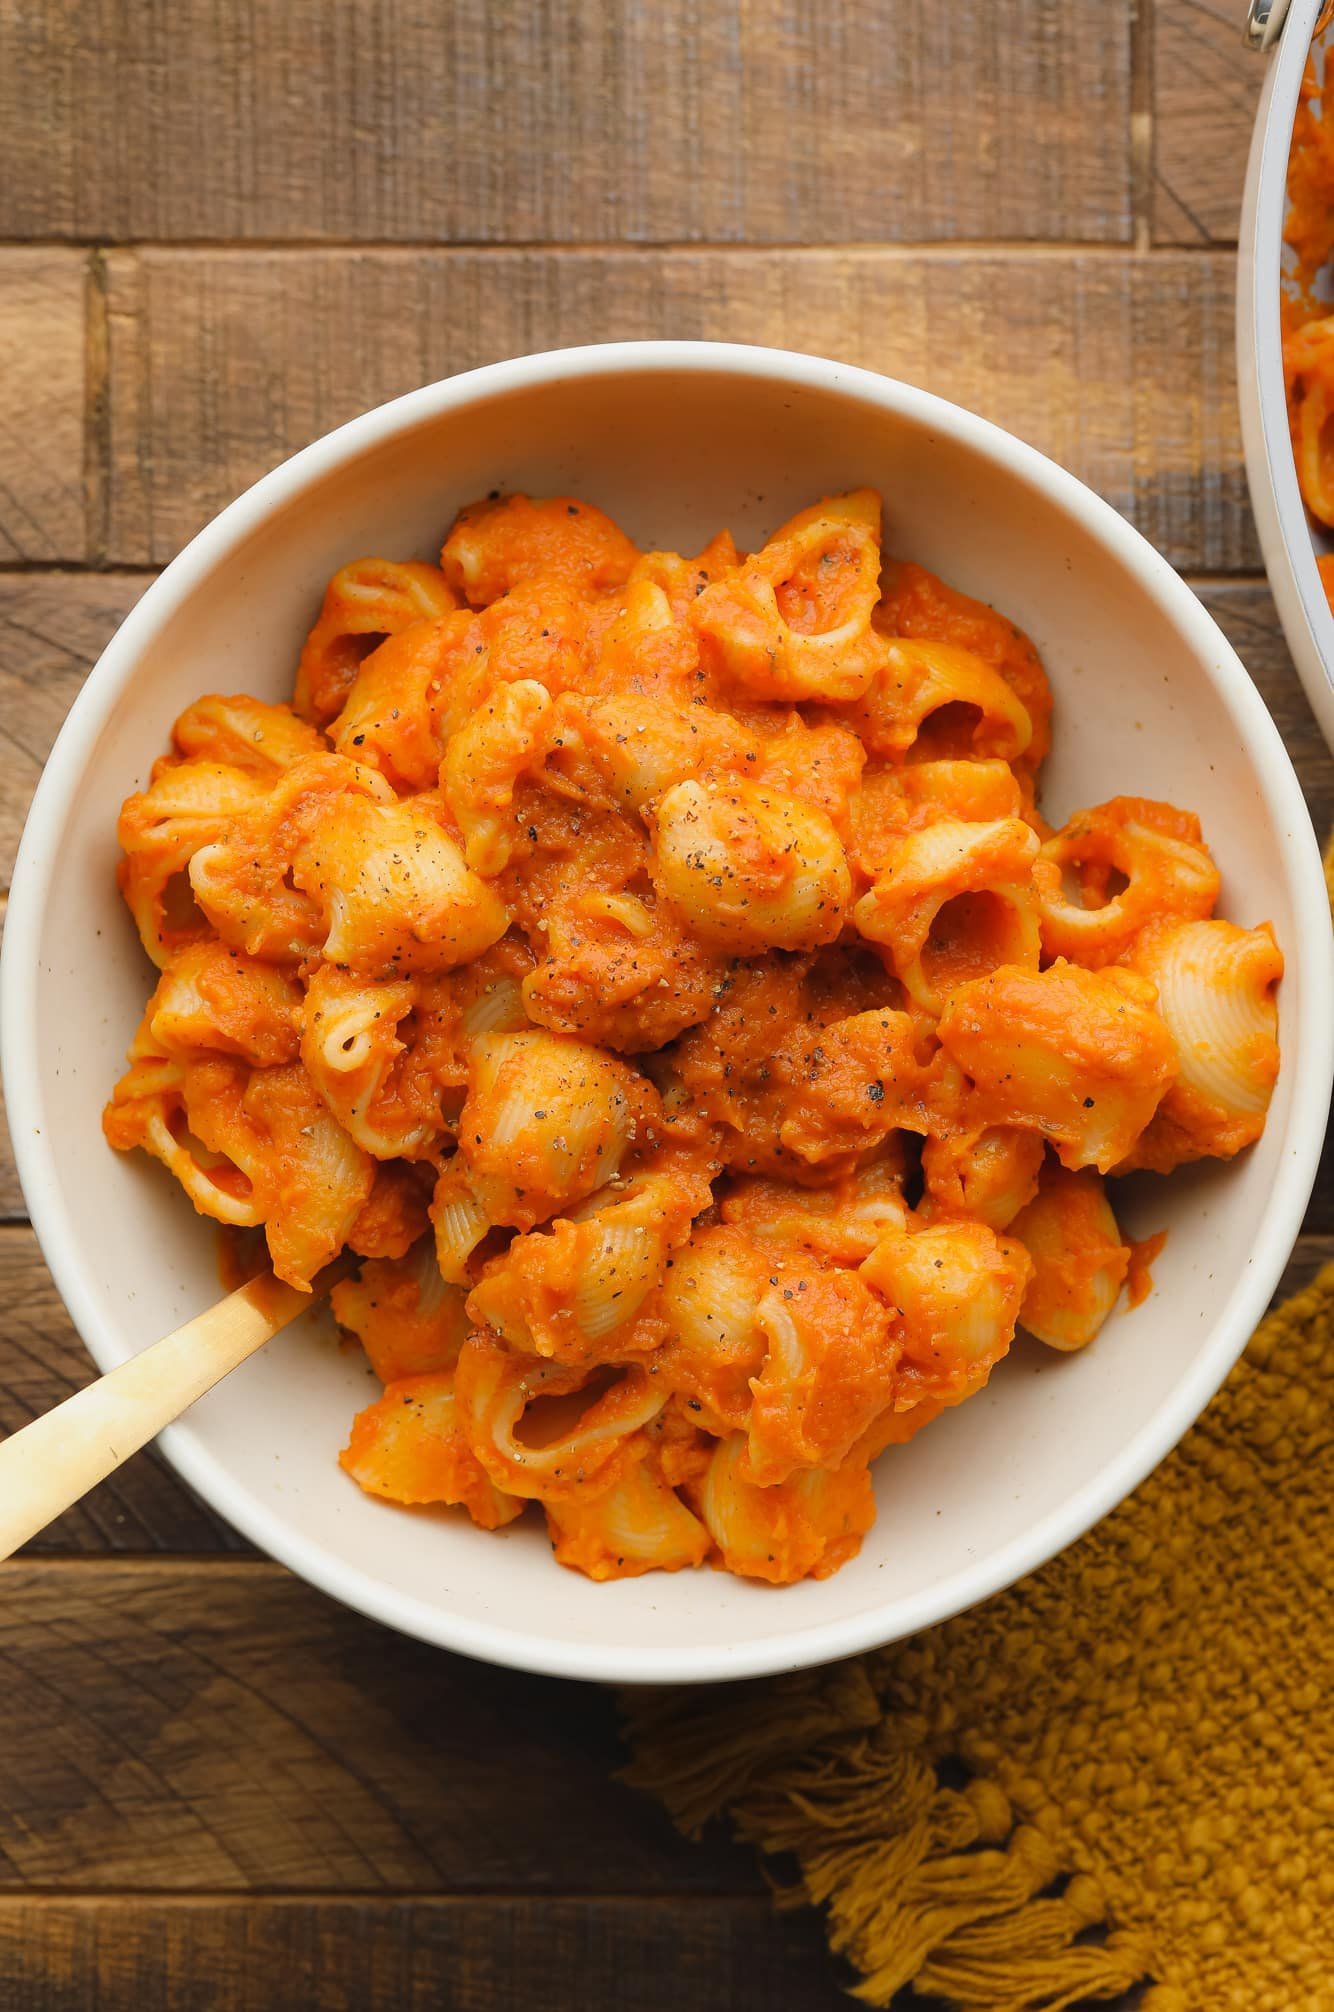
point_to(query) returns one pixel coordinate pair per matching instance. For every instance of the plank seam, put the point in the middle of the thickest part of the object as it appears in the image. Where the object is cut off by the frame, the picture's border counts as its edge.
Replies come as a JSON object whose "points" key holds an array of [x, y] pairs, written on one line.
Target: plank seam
{"points": [[97, 410], [1059, 248], [453, 1898], [85, 568], [1141, 123]]}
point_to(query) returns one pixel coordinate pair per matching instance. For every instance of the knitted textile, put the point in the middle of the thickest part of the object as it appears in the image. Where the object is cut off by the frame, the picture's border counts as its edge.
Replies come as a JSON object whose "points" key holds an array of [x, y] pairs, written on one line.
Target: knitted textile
{"points": [[1122, 1768]]}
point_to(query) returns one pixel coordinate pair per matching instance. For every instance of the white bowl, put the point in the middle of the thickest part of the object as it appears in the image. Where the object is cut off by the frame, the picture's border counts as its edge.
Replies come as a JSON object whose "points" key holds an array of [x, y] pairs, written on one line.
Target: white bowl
{"points": [[675, 439]]}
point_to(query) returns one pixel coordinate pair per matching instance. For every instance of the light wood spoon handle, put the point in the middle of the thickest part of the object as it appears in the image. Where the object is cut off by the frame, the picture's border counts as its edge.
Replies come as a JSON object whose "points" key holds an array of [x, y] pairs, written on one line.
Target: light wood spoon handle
{"points": [[52, 1462]]}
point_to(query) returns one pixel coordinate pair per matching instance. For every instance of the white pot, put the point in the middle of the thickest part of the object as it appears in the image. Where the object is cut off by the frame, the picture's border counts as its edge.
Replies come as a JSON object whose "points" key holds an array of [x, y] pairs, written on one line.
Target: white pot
{"points": [[1288, 538]]}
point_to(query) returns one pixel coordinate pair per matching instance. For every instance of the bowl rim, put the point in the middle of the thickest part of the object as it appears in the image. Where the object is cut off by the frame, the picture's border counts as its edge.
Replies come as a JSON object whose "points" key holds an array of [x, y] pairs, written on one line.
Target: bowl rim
{"points": [[1311, 1042]]}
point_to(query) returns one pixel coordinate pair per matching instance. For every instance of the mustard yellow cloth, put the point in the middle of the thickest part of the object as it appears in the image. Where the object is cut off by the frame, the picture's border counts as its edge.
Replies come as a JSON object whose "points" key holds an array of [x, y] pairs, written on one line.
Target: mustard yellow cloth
{"points": [[1121, 1769]]}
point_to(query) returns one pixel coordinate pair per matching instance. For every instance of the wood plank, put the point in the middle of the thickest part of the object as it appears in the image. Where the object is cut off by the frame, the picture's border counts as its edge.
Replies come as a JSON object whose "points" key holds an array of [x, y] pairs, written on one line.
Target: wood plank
{"points": [[491, 120], [42, 371], [1206, 85], [144, 1507], [1312, 1254], [222, 1727], [448, 1955], [1120, 366], [53, 628], [12, 1207], [1244, 610]]}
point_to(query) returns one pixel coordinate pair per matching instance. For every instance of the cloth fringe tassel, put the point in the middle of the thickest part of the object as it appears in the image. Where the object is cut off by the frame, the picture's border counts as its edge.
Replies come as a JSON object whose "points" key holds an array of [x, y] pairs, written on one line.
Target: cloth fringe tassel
{"points": [[939, 1887]]}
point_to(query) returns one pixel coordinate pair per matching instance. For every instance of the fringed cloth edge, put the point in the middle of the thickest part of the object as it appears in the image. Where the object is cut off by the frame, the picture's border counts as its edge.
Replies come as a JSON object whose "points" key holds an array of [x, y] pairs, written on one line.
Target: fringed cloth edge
{"points": [[938, 1887]]}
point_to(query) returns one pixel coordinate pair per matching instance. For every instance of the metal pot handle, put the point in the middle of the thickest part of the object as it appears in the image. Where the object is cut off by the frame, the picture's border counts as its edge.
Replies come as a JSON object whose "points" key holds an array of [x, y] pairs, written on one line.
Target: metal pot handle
{"points": [[1265, 18], [1264, 23]]}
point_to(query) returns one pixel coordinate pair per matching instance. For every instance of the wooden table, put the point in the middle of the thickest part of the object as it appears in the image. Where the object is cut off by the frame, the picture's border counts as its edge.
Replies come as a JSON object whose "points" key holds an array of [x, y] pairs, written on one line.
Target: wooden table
{"points": [[222, 231]]}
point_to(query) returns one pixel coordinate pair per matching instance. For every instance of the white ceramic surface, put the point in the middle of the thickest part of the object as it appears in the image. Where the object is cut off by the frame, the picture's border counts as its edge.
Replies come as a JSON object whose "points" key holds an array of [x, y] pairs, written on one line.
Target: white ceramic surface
{"points": [[1289, 539], [675, 440]]}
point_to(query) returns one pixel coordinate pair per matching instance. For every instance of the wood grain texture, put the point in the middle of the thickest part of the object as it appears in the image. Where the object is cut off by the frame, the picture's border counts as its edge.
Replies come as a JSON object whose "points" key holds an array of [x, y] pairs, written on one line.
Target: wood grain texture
{"points": [[495, 120], [11, 1195], [603, 1955], [1120, 366], [42, 378], [184, 1728], [53, 628], [1311, 1256], [1245, 612], [1206, 85]]}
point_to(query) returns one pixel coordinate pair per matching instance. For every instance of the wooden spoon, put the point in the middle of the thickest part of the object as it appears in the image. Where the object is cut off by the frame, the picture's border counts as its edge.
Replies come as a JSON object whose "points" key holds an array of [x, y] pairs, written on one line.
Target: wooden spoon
{"points": [[52, 1462]]}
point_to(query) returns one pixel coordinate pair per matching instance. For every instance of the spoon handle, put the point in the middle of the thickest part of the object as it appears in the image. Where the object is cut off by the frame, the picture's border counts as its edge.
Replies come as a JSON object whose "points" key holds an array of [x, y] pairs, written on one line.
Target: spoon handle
{"points": [[49, 1464]]}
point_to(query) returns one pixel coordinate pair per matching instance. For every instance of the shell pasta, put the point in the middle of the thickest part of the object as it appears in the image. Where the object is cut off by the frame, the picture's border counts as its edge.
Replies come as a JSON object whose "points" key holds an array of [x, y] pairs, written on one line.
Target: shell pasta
{"points": [[657, 970]]}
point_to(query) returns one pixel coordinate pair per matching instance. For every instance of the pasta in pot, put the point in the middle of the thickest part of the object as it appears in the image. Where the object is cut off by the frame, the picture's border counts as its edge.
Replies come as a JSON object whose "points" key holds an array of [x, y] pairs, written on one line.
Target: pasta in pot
{"points": [[658, 971], [1308, 326]]}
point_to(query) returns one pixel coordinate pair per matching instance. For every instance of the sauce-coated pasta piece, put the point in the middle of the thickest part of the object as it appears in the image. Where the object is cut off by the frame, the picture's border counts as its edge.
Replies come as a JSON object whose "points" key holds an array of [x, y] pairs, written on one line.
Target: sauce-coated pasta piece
{"points": [[940, 703], [389, 718], [954, 901], [359, 1048], [1157, 852], [750, 867], [830, 1369], [1082, 1057], [1079, 1257], [1216, 986], [187, 807], [987, 1175], [794, 621], [212, 997], [957, 1288], [710, 1300], [637, 1525], [394, 891], [547, 1120], [408, 1447], [803, 1528], [494, 546], [918, 605], [842, 1219], [576, 1292], [364, 603], [546, 1431], [407, 1319], [245, 733]]}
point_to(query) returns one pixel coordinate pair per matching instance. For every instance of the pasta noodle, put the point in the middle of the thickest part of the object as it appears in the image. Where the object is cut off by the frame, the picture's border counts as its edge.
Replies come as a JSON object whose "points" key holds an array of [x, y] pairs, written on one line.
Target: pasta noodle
{"points": [[657, 970], [1079, 1258]]}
